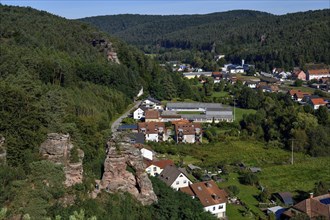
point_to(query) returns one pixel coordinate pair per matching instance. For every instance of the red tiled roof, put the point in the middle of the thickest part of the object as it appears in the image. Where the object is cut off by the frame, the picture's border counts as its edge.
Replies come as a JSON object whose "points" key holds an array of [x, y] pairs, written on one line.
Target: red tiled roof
{"points": [[302, 94], [188, 128], [160, 163], [151, 127], [152, 114], [216, 74], [313, 207], [318, 101], [207, 192], [318, 71]]}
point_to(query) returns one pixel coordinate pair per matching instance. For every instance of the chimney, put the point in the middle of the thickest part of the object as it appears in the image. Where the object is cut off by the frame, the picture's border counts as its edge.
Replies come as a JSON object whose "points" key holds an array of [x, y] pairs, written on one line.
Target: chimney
{"points": [[311, 195], [242, 62]]}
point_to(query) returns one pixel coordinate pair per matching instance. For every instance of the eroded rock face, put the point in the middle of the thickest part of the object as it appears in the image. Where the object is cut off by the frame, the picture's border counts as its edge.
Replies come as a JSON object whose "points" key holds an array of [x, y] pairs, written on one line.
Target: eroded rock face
{"points": [[3, 152], [57, 148], [124, 171]]}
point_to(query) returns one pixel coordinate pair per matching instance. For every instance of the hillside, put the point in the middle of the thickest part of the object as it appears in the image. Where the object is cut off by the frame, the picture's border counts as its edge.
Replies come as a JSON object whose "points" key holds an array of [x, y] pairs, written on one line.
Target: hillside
{"points": [[260, 38], [62, 76]]}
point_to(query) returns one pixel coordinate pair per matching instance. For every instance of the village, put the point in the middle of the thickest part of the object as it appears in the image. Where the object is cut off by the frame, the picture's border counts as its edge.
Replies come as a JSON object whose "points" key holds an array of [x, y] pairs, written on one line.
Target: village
{"points": [[184, 123]]}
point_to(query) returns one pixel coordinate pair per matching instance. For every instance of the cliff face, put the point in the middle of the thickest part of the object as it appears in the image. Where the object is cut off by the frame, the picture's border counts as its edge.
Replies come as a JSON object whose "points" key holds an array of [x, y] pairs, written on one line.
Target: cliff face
{"points": [[3, 152], [57, 148], [124, 171]]}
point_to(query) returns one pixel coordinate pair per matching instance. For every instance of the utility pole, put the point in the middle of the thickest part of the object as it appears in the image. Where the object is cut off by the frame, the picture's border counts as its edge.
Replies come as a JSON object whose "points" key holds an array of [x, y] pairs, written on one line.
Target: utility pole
{"points": [[292, 151], [234, 108]]}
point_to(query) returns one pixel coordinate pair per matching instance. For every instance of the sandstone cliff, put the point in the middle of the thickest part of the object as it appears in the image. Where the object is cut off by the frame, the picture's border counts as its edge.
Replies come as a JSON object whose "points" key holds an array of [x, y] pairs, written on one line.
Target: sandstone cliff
{"points": [[58, 149], [124, 171]]}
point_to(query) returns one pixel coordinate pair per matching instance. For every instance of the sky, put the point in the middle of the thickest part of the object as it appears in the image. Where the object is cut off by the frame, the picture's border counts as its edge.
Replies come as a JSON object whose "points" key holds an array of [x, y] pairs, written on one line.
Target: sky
{"points": [[73, 9]]}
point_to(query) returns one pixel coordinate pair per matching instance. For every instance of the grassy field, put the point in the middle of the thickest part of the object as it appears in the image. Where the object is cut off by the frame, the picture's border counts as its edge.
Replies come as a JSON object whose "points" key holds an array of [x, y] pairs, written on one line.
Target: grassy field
{"points": [[239, 112], [277, 172]]}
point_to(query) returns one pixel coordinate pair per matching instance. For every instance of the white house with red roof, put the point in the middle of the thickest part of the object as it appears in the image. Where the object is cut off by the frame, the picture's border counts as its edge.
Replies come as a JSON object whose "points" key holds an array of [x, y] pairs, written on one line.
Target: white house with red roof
{"points": [[212, 198], [317, 102], [317, 73], [154, 168]]}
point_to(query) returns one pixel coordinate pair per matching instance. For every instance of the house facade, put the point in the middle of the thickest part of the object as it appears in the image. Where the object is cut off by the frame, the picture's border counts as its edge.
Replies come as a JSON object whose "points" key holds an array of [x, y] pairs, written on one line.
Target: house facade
{"points": [[174, 177], [154, 168], [153, 131], [212, 198], [139, 113], [152, 103], [187, 132], [317, 74]]}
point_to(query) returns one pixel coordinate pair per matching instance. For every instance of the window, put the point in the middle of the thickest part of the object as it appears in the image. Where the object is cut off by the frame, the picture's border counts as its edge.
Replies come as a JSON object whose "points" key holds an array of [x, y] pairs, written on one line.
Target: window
{"points": [[220, 206], [155, 168], [213, 208], [177, 182], [184, 181]]}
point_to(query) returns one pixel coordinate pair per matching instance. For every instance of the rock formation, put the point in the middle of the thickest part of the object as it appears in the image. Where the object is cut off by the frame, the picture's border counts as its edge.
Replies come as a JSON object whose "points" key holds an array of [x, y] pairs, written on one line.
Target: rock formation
{"points": [[124, 171], [3, 152], [57, 148]]}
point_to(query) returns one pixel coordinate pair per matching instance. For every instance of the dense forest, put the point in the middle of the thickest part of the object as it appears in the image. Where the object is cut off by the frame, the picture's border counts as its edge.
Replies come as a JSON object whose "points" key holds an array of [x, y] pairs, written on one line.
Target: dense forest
{"points": [[262, 39], [55, 77]]}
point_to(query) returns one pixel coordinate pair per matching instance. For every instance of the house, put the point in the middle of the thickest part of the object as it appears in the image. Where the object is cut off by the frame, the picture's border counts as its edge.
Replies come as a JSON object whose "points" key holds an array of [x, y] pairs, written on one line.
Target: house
{"points": [[251, 84], [298, 96], [285, 197], [187, 132], [217, 76], [139, 113], [314, 207], [153, 131], [152, 115], [234, 69], [174, 177], [148, 154], [299, 74], [316, 103], [154, 168], [317, 73], [212, 198], [151, 103], [128, 127]]}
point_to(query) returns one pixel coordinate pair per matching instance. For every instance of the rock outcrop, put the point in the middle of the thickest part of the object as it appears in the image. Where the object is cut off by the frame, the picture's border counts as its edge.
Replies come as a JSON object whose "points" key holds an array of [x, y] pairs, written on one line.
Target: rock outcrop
{"points": [[58, 149], [3, 152], [124, 171]]}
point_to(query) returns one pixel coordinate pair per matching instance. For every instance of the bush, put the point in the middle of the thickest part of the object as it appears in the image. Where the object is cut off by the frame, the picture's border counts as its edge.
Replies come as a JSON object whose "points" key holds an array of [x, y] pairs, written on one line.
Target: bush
{"points": [[233, 190], [249, 179]]}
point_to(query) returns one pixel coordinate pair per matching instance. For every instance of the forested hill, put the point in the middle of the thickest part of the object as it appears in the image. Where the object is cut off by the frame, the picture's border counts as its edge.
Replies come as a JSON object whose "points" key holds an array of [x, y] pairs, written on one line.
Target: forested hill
{"points": [[55, 76], [286, 40]]}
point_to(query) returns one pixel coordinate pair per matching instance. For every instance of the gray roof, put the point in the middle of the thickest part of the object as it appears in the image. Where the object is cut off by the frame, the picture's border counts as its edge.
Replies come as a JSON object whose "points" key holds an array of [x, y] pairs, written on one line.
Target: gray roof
{"points": [[286, 197], [137, 138], [170, 174], [190, 105], [205, 117], [153, 100], [198, 74], [220, 112], [255, 169], [193, 167]]}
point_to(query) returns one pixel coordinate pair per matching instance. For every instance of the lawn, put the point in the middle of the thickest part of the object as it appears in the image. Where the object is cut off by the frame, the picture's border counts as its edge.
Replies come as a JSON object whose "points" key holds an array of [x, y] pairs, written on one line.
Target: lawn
{"points": [[239, 112], [220, 94]]}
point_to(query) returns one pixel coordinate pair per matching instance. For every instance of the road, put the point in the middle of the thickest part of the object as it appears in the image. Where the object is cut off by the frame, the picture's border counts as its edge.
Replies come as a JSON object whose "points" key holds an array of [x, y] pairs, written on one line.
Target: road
{"points": [[118, 121]]}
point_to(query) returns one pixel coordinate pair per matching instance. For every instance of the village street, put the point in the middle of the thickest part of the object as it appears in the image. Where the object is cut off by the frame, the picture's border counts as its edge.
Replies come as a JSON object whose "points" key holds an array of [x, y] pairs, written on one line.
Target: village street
{"points": [[118, 121]]}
